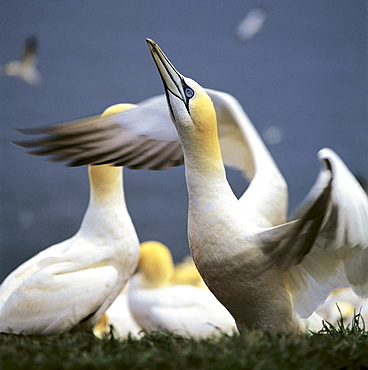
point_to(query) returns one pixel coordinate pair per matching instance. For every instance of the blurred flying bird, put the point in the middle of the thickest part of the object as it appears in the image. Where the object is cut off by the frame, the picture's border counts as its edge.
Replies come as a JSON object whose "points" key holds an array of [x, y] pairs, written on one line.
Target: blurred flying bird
{"points": [[269, 273], [72, 283], [25, 69], [157, 304], [251, 24]]}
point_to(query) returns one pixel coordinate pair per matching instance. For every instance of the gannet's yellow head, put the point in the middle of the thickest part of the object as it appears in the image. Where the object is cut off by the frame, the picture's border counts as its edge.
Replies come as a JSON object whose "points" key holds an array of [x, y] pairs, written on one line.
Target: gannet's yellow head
{"points": [[117, 108], [186, 273], [156, 263], [105, 174], [191, 108]]}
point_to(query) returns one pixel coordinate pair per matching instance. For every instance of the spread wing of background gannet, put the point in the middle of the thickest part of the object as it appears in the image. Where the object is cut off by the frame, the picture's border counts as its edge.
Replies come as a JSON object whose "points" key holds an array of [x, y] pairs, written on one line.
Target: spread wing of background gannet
{"points": [[75, 281], [25, 69], [269, 273], [186, 310]]}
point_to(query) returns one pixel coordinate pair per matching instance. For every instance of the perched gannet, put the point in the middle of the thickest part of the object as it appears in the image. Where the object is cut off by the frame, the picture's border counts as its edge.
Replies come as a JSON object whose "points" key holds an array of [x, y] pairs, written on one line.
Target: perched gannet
{"points": [[25, 69], [75, 281], [118, 321], [157, 304], [267, 272]]}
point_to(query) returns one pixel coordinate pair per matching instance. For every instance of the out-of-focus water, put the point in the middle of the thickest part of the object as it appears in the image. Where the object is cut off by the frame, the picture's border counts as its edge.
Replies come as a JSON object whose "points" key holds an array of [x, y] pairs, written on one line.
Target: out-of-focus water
{"points": [[304, 77]]}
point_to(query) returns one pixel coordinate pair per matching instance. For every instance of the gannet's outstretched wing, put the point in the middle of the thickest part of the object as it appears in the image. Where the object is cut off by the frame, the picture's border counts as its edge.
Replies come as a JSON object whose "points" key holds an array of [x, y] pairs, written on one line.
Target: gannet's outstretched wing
{"points": [[326, 247], [143, 137]]}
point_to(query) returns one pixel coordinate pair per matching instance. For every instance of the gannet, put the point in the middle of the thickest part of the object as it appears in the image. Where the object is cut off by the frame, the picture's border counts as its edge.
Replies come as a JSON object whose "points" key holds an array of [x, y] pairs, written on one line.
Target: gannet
{"points": [[269, 273], [75, 281], [25, 69], [157, 304]]}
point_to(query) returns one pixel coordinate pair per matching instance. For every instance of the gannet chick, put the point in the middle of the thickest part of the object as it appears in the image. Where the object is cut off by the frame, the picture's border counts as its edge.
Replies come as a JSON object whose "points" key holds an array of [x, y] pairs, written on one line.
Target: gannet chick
{"points": [[270, 274], [118, 321], [25, 69], [185, 310], [75, 281]]}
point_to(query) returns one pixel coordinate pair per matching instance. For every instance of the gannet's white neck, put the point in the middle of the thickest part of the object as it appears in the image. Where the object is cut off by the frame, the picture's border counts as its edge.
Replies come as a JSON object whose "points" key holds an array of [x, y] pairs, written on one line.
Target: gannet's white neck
{"points": [[204, 168], [106, 184], [107, 208], [265, 200]]}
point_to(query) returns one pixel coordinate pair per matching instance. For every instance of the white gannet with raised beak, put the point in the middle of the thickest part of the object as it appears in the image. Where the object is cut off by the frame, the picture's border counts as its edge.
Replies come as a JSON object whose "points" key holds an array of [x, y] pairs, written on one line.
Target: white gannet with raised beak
{"points": [[75, 281], [25, 69], [267, 272], [156, 303]]}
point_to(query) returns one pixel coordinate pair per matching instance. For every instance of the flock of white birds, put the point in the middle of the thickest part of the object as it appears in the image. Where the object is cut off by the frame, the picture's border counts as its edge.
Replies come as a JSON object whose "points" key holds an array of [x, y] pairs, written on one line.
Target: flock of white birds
{"points": [[253, 268]]}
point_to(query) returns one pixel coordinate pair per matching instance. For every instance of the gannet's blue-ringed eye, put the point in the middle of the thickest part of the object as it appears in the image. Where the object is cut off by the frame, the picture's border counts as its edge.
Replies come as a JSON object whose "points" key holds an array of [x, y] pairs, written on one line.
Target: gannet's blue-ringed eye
{"points": [[189, 92]]}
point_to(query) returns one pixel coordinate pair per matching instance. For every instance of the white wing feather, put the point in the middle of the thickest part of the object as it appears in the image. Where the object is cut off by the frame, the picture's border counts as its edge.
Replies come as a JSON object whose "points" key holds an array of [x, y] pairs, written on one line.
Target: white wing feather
{"points": [[143, 137], [339, 256]]}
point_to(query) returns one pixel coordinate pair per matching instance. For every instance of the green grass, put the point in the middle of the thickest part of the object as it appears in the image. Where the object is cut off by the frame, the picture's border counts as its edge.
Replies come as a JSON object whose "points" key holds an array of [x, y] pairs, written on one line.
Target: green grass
{"points": [[341, 348]]}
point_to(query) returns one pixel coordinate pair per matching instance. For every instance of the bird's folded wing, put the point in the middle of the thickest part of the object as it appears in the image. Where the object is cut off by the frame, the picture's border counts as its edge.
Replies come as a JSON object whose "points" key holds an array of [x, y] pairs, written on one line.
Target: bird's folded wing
{"points": [[56, 298], [332, 252]]}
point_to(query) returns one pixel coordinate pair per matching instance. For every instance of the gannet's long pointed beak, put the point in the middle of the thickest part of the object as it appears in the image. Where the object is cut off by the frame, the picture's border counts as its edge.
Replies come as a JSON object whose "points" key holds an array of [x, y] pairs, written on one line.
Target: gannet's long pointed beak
{"points": [[173, 81]]}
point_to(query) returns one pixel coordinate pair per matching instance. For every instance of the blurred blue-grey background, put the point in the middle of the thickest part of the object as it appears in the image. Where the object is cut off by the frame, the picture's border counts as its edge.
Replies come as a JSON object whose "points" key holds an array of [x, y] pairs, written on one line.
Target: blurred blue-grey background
{"points": [[303, 78]]}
